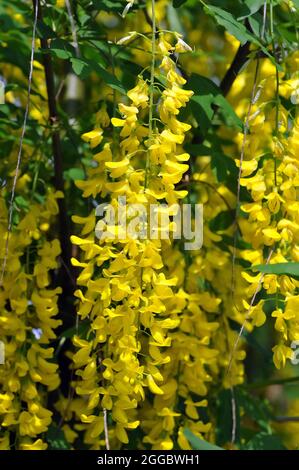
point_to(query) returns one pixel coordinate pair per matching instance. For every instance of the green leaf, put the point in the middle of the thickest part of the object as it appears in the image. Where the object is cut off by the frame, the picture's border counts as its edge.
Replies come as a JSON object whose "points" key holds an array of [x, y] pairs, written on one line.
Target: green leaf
{"points": [[85, 67], [288, 269], [61, 53], [264, 441], [56, 439], [74, 174], [199, 444], [206, 96], [80, 67], [234, 27], [252, 6], [62, 49], [227, 241], [109, 5], [21, 202], [229, 115], [178, 3], [227, 20], [222, 221], [201, 107], [254, 408], [108, 78], [223, 166], [256, 24], [44, 31]]}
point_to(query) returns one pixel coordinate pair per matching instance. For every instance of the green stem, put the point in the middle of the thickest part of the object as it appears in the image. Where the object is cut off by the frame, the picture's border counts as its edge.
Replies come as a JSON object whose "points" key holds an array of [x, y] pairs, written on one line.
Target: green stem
{"points": [[267, 383], [277, 101], [151, 100], [114, 132], [271, 18], [150, 119]]}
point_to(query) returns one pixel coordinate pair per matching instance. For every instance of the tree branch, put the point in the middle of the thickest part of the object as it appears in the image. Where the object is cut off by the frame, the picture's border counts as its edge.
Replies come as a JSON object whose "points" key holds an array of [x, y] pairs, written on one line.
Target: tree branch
{"points": [[240, 59], [64, 222]]}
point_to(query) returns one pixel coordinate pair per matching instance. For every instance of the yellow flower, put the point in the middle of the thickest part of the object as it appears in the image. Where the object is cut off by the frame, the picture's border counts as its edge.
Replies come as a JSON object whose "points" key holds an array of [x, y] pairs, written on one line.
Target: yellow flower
{"points": [[140, 94], [281, 354], [94, 138], [36, 445]]}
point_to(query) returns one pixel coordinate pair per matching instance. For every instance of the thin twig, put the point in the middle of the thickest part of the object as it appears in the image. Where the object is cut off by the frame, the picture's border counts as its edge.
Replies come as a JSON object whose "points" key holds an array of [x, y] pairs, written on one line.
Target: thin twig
{"points": [[248, 314], [151, 98], [277, 99], [191, 182], [19, 158], [286, 419], [106, 429], [234, 415], [264, 20], [69, 273], [73, 28], [246, 130], [268, 383], [59, 90]]}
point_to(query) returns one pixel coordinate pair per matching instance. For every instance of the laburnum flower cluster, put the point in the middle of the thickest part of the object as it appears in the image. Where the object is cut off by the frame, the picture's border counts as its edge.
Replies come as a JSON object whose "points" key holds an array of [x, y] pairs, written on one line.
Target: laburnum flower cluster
{"points": [[146, 353], [158, 330], [267, 226], [27, 323], [270, 226]]}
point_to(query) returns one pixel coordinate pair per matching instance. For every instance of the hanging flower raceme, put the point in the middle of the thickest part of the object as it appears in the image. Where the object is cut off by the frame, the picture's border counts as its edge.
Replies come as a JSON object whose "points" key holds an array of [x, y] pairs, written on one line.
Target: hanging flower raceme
{"points": [[131, 298], [271, 225], [27, 326]]}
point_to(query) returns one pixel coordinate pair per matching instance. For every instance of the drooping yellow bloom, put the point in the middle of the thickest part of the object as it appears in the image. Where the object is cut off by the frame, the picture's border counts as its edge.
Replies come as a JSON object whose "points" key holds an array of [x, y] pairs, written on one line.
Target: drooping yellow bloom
{"points": [[138, 310], [27, 326]]}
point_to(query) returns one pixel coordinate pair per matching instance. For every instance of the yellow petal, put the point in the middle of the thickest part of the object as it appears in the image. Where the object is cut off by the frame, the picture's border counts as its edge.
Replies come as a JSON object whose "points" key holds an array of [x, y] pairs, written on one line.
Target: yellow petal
{"points": [[153, 386]]}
